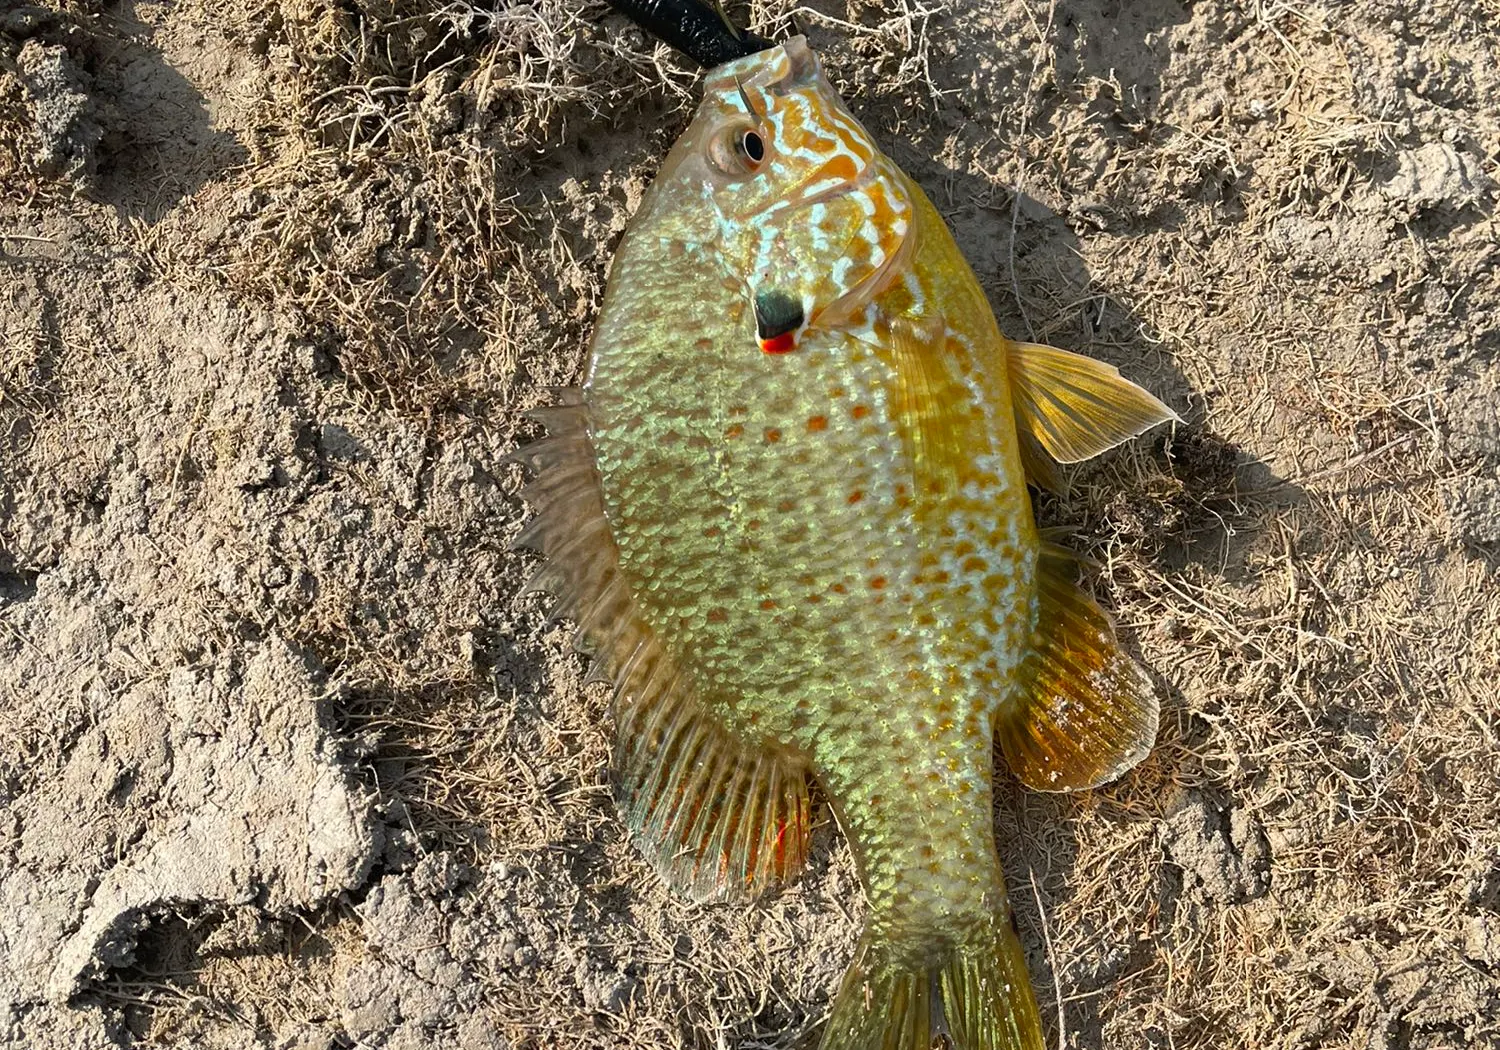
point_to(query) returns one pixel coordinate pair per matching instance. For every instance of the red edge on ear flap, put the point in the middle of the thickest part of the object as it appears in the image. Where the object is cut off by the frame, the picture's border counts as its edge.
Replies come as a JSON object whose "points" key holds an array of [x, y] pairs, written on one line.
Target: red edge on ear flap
{"points": [[779, 344]]}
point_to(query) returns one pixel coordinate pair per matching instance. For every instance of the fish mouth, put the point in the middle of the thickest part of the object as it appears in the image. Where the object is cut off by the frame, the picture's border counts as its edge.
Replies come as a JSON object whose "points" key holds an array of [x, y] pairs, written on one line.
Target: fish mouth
{"points": [[761, 70]]}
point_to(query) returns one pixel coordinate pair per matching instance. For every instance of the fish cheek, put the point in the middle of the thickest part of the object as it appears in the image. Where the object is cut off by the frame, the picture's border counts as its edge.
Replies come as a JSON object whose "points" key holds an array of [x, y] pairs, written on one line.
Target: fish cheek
{"points": [[840, 258]]}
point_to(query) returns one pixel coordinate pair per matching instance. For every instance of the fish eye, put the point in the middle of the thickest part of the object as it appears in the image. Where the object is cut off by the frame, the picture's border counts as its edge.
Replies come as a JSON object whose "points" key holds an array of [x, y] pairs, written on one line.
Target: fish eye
{"points": [[738, 150], [753, 146]]}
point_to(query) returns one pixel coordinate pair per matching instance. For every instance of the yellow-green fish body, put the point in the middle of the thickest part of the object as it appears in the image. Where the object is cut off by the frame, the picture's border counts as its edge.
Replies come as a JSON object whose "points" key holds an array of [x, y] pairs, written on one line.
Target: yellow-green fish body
{"points": [[789, 511]]}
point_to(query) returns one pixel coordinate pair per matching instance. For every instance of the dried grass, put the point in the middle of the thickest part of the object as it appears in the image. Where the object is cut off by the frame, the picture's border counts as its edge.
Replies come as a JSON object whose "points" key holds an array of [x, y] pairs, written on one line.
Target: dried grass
{"points": [[1284, 562]]}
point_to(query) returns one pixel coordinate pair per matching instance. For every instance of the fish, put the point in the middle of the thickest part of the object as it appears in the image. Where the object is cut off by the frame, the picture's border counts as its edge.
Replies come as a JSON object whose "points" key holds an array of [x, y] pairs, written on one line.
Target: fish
{"points": [[788, 510]]}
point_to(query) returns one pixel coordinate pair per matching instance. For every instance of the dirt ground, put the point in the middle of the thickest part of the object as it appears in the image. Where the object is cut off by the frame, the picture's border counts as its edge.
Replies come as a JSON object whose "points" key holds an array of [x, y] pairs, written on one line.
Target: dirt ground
{"points": [[284, 762]]}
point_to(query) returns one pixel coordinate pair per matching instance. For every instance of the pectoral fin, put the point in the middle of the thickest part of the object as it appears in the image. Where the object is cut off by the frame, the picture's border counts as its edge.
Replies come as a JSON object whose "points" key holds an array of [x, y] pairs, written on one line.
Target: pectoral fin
{"points": [[1073, 407], [931, 408], [1085, 712]]}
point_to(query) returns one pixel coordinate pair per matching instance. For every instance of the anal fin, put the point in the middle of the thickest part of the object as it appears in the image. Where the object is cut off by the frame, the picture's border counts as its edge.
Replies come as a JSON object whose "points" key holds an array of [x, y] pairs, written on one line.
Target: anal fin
{"points": [[1084, 710]]}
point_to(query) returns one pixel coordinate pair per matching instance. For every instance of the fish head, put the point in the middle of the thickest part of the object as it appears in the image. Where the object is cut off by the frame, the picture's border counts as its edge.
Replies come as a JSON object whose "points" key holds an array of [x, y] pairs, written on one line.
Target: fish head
{"points": [[809, 219]]}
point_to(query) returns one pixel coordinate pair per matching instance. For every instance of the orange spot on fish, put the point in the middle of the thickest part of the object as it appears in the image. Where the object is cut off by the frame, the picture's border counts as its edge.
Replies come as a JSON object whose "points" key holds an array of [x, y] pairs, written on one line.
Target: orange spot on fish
{"points": [[974, 563], [817, 423], [839, 588], [734, 430], [772, 435], [856, 496], [841, 167], [753, 524], [712, 531], [786, 506], [767, 604], [860, 411], [704, 344], [877, 583]]}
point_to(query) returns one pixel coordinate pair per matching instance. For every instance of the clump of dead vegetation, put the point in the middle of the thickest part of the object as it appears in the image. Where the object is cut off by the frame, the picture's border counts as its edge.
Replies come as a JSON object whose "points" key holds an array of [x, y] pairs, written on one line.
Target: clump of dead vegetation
{"points": [[391, 204]]}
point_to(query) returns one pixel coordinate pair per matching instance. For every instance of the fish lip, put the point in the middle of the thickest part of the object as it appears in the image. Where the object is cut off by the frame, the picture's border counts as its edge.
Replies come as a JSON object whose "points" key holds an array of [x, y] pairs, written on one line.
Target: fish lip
{"points": [[752, 68]]}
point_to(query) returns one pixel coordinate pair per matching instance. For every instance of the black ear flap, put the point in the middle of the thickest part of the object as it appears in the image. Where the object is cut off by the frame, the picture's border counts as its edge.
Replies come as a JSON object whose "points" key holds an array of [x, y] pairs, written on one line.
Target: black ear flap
{"points": [[694, 27], [778, 318], [776, 313]]}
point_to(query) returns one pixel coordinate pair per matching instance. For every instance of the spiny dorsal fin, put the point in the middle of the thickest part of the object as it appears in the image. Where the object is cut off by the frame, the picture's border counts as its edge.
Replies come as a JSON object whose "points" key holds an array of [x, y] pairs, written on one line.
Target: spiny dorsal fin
{"points": [[715, 818], [1073, 407], [1084, 711]]}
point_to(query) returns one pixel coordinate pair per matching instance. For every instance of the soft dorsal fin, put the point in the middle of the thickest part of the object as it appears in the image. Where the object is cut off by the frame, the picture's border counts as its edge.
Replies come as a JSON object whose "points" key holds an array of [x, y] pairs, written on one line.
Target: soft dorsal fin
{"points": [[715, 818], [1084, 711], [1072, 407]]}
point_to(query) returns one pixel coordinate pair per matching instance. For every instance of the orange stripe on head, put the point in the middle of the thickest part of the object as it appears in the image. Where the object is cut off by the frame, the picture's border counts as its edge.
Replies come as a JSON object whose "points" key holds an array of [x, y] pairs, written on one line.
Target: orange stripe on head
{"points": [[840, 166]]}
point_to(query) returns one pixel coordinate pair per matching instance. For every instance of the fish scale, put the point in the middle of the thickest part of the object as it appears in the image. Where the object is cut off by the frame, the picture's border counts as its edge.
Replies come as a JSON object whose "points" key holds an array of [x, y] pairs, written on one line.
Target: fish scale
{"points": [[820, 560]]}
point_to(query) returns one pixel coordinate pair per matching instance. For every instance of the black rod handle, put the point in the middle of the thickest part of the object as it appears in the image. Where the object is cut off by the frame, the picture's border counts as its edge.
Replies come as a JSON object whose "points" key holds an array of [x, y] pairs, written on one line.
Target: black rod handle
{"points": [[694, 27]]}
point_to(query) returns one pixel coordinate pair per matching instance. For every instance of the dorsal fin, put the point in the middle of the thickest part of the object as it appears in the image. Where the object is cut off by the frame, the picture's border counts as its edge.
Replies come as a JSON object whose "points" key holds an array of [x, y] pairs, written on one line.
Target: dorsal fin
{"points": [[1084, 711], [714, 817], [1072, 408]]}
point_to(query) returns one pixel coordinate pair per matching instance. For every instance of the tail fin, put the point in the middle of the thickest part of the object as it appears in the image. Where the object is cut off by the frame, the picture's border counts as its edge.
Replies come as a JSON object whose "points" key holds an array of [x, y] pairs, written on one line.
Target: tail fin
{"points": [[976, 994]]}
